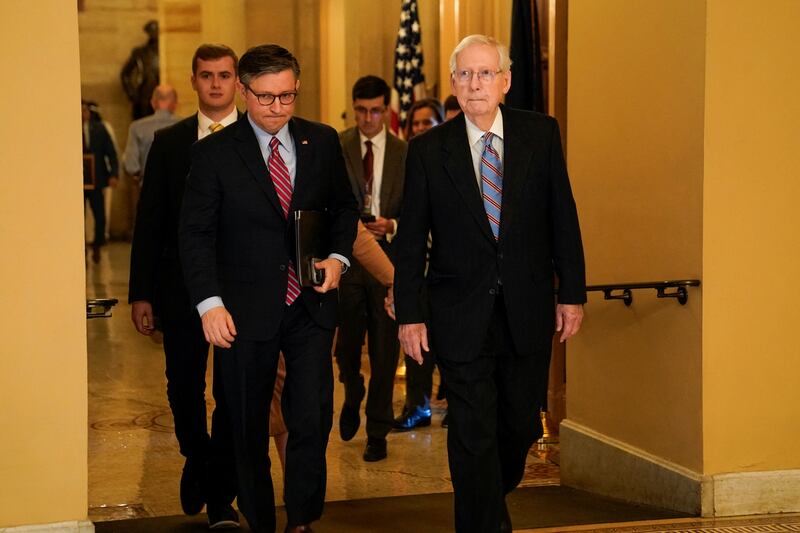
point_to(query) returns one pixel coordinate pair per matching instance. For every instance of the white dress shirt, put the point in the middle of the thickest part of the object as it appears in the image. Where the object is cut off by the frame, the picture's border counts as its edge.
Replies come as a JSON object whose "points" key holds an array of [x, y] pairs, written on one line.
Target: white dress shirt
{"points": [[204, 123], [378, 153]]}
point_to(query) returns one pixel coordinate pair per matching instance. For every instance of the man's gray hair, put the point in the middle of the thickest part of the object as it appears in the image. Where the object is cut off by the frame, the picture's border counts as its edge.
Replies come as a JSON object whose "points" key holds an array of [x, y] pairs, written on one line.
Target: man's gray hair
{"points": [[469, 40]]}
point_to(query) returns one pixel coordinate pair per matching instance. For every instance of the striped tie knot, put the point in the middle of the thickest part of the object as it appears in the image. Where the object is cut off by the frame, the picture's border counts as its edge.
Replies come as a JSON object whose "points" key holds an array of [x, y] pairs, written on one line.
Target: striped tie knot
{"points": [[215, 127], [491, 183]]}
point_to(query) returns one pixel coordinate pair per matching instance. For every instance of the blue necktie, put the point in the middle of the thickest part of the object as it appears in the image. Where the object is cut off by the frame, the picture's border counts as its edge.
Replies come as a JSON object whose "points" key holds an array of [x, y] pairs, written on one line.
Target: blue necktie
{"points": [[491, 183]]}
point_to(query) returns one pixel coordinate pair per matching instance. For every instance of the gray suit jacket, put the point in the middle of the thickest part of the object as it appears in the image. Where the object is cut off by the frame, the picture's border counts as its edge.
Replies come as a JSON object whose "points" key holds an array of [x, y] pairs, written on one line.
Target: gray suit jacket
{"points": [[394, 165]]}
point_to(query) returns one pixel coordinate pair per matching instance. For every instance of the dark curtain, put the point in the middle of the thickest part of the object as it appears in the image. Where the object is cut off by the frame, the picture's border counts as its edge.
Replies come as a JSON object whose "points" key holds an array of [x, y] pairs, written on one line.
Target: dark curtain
{"points": [[526, 70]]}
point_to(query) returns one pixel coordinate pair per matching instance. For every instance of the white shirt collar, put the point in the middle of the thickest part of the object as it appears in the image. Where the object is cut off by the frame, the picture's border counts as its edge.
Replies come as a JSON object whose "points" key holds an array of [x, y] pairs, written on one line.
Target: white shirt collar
{"points": [[283, 135], [379, 141], [475, 134], [203, 122]]}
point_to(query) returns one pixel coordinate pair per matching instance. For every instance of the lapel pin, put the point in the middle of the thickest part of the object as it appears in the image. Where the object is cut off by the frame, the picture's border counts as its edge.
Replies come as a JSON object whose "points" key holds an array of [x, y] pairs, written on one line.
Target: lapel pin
{"points": [[304, 141]]}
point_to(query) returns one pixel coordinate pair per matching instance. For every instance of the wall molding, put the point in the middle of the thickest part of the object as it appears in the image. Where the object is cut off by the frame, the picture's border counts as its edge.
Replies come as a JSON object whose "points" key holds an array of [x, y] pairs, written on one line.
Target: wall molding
{"points": [[600, 464], [603, 465], [75, 526]]}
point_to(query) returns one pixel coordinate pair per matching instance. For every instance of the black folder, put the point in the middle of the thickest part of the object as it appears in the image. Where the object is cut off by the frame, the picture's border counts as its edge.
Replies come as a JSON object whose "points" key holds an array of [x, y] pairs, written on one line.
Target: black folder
{"points": [[311, 232]]}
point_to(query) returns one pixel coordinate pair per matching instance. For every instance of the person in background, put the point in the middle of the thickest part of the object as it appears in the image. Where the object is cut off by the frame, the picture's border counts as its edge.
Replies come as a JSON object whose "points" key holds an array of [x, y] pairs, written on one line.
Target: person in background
{"points": [[375, 161], [491, 186], [98, 144], [451, 107], [141, 131], [422, 116], [157, 289]]}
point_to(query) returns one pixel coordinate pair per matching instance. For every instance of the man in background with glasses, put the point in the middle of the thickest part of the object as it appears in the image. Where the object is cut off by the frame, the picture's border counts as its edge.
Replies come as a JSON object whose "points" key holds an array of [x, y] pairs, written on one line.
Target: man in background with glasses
{"points": [[157, 289], [375, 165], [492, 188], [236, 246]]}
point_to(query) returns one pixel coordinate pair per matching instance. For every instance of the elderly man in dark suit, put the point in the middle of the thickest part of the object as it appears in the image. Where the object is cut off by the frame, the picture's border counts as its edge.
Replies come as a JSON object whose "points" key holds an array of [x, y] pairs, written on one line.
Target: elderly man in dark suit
{"points": [[375, 162], [236, 248], [492, 188], [157, 289]]}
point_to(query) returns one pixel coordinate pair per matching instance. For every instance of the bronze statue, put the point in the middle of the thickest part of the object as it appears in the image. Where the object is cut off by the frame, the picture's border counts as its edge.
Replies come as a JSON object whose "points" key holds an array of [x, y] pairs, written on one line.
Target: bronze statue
{"points": [[140, 74]]}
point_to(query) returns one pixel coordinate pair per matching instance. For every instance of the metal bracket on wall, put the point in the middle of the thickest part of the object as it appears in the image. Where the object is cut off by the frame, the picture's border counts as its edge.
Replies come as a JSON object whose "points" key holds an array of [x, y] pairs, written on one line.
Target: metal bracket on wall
{"points": [[611, 291], [100, 307]]}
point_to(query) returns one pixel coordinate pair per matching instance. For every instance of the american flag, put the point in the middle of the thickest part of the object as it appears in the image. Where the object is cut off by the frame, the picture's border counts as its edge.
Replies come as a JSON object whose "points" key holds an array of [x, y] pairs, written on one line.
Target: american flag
{"points": [[409, 81]]}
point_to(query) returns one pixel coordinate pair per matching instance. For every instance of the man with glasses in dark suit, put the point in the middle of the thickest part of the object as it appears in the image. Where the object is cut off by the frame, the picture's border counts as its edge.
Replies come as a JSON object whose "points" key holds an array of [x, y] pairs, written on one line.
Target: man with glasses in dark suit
{"points": [[491, 187]]}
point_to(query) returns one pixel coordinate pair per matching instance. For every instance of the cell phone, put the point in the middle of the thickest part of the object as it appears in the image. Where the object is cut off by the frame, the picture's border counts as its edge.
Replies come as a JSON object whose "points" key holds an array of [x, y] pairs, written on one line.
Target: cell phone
{"points": [[367, 218], [317, 275]]}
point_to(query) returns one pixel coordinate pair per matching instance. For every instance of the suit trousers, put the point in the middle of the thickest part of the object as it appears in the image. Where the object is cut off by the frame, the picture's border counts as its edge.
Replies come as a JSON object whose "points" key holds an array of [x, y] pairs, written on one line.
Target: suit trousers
{"points": [[419, 381], [361, 311], [248, 370], [98, 207], [186, 352], [493, 403]]}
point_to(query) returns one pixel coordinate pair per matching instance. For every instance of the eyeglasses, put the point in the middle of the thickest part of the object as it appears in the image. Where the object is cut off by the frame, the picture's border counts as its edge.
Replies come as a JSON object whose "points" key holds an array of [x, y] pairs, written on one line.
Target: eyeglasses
{"points": [[484, 76], [375, 111], [268, 99]]}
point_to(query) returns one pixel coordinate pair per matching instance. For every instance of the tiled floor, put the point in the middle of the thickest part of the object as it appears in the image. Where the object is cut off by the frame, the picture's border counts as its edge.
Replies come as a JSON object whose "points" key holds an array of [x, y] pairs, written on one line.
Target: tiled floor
{"points": [[134, 464], [750, 524]]}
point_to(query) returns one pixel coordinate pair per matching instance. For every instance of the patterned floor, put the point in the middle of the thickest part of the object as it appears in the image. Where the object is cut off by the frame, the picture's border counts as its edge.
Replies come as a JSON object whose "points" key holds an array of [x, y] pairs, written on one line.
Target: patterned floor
{"points": [[750, 524]]}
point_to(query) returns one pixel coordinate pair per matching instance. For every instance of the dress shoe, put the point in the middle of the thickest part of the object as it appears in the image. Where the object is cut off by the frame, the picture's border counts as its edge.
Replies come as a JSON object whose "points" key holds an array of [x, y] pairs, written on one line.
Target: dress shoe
{"points": [[222, 517], [446, 420], [505, 523], [417, 417], [193, 490], [298, 529], [375, 450], [349, 418]]}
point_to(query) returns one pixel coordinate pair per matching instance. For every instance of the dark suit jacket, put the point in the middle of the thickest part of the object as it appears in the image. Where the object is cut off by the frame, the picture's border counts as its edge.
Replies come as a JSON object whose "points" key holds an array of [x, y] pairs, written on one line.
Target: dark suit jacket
{"points": [[539, 236], [105, 155], [156, 274], [234, 240], [392, 178]]}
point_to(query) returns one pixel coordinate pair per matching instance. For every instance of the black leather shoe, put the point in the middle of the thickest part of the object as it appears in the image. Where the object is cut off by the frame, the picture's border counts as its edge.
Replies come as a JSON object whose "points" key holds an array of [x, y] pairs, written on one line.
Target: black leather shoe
{"points": [[419, 417], [376, 450], [222, 517], [446, 420], [349, 420], [505, 523], [193, 489]]}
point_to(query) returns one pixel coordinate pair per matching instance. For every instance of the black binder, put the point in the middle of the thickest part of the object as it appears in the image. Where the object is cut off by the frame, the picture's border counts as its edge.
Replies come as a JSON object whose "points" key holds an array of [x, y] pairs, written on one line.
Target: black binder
{"points": [[311, 233]]}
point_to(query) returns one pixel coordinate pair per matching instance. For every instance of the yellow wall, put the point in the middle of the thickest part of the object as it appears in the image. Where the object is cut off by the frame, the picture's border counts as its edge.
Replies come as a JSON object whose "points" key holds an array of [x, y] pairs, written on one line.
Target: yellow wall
{"points": [[635, 138], [751, 223], [43, 387]]}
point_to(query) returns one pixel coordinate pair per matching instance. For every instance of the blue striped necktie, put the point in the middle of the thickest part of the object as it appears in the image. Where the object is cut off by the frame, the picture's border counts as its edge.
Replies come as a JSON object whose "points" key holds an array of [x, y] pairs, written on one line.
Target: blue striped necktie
{"points": [[491, 183]]}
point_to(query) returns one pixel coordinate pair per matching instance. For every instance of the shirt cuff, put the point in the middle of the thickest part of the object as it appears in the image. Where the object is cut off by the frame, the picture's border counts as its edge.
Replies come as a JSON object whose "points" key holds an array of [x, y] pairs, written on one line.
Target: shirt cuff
{"points": [[345, 262], [209, 304], [390, 236]]}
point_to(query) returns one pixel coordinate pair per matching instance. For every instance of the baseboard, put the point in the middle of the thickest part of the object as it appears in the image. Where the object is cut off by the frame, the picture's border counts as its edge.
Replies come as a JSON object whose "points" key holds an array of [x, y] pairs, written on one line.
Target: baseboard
{"points": [[597, 463], [75, 526], [746, 493]]}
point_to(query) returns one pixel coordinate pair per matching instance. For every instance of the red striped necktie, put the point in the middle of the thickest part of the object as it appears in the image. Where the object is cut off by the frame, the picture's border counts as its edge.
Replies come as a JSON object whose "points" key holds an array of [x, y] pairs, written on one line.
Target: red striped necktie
{"points": [[283, 186]]}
